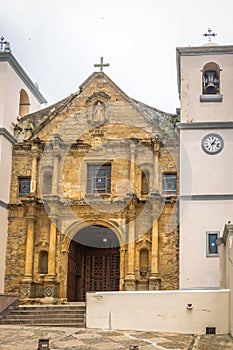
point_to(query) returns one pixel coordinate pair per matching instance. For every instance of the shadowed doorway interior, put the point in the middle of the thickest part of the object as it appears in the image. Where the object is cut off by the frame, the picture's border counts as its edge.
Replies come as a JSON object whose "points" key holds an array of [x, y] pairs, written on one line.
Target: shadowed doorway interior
{"points": [[93, 262]]}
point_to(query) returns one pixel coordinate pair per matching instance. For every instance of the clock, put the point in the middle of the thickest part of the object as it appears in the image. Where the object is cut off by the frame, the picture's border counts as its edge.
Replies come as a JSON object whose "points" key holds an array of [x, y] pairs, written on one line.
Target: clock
{"points": [[212, 143]]}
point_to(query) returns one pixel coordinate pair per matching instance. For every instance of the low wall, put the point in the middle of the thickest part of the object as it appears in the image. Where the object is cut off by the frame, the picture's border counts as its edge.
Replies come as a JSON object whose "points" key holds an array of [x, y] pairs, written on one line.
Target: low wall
{"points": [[187, 311], [7, 303]]}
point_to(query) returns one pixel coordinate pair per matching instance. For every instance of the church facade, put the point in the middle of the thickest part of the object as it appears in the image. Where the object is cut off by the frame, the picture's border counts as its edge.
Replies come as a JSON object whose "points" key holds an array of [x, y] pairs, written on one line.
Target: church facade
{"points": [[93, 203]]}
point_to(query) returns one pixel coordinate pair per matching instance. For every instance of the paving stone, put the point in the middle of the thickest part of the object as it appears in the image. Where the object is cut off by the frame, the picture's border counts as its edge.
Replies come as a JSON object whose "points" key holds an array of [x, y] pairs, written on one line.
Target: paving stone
{"points": [[64, 338]]}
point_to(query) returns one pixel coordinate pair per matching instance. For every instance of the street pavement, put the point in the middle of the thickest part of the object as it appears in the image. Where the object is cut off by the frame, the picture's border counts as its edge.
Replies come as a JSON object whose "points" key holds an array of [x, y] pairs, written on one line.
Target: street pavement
{"points": [[26, 338]]}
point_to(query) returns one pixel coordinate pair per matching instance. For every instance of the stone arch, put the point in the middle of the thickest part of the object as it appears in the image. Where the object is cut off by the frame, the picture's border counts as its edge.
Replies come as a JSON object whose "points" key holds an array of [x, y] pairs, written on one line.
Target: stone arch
{"points": [[92, 263], [211, 78], [75, 227], [24, 103]]}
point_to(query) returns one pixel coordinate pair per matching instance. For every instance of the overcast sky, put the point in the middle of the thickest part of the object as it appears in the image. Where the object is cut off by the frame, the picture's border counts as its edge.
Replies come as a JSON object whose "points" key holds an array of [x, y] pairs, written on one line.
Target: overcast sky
{"points": [[57, 42]]}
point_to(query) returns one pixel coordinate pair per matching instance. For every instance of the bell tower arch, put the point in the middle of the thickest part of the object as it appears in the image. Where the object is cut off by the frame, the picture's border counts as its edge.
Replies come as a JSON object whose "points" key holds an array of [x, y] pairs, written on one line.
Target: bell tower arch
{"points": [[93, 262]]}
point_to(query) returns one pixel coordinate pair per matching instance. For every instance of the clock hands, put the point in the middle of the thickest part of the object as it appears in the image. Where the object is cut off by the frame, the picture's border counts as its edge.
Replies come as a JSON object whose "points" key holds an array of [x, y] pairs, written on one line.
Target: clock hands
{"points": [[212, 144]]}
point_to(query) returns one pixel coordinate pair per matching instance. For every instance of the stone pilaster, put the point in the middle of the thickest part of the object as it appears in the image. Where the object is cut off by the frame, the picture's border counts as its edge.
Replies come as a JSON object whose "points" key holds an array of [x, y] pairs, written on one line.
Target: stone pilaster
{"points": [[57, 146], [122, 267], [35, 156], [154, 281], [55, 176], [29, 257], [29, 248], [52, 250], [130, 278], [132, 165], [155, 184]]}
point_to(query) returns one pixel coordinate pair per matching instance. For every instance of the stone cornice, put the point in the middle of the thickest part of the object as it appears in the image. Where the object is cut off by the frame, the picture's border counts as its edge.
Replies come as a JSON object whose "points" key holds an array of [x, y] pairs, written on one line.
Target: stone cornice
{"points": [[206, 197], [8, 57], [4, 204], [8, 135], [205, 125]]}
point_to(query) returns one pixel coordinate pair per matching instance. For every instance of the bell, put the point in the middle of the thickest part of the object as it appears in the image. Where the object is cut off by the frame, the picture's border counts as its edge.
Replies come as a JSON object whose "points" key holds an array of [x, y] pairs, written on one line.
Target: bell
{"points": [[211, 82]]}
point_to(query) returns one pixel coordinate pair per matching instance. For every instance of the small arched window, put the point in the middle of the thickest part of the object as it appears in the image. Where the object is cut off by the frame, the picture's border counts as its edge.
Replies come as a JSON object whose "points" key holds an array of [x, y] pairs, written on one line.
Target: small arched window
{"points": [[145, 181], [211, 79], [43, 262], [24, 103]]}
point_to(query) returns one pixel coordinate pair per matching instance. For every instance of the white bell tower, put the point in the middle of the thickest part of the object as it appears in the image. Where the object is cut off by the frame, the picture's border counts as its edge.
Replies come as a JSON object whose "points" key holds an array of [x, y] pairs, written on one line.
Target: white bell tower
{"points": [[205, 81], [18, 96]]}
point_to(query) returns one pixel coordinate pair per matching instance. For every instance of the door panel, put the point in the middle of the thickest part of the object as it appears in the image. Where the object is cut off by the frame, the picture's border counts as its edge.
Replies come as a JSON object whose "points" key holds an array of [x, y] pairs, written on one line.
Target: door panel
{"points": [[92, 269]]}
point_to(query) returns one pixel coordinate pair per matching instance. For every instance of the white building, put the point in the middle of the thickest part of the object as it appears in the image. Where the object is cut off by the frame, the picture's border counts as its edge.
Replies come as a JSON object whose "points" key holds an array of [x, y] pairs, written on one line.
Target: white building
{"points": [[18, 96], [205, 79]]}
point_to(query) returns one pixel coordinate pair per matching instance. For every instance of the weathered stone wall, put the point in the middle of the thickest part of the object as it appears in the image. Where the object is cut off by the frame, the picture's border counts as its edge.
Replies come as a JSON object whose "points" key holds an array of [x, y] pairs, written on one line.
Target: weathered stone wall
{"points": [[143, 222]]}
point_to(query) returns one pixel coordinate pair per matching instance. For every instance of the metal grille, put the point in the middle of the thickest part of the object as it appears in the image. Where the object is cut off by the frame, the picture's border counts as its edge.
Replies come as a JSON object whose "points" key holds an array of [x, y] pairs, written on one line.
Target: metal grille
{"points": [[210, 330]]}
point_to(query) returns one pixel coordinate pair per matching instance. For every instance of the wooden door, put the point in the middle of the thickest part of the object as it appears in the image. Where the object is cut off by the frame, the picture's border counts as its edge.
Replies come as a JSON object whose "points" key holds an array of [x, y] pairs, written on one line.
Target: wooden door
{"points": [[91, 270]]}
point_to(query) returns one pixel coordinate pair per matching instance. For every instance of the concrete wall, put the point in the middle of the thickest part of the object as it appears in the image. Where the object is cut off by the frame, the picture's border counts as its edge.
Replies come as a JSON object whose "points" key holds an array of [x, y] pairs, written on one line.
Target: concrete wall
{"points": [[160, 311]]}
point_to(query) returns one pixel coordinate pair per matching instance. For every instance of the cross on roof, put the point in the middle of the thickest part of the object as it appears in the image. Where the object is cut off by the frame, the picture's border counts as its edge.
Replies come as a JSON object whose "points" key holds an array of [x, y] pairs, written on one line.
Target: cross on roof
{"points": [[209, 34], [2, 42], [101, 64]]}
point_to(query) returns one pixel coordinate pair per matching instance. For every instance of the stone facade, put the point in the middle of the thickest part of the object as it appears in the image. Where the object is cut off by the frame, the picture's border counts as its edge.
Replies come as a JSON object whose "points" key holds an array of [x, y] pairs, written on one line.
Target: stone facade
{"points": [[96, 160]]}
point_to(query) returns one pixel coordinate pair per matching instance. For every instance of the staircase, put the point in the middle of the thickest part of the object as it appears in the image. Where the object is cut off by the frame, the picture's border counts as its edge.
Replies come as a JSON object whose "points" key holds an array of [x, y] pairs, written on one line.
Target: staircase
{"points": [[70, 315]]}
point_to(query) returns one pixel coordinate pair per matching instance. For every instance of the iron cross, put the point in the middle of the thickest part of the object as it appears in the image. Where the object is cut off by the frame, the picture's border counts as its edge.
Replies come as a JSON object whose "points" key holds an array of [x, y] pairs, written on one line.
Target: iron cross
{"points": [[2, 42], [101, 64], [209, 34]]}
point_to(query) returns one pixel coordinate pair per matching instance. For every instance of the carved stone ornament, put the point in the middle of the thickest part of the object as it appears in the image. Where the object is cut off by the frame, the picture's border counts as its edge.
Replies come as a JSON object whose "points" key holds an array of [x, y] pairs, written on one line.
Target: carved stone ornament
{"points": [[98, 109], [49, 291], [25, 291]]}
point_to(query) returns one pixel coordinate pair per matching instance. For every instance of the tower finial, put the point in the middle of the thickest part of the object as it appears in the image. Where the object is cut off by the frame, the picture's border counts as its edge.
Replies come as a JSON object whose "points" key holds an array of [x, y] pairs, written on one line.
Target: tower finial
{"points": [[4, 45], [209, 34]]}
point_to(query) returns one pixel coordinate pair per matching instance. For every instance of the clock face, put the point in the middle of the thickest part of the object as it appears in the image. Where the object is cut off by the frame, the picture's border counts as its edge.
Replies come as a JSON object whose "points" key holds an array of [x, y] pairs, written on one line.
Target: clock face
{"points": [[212, 143]]}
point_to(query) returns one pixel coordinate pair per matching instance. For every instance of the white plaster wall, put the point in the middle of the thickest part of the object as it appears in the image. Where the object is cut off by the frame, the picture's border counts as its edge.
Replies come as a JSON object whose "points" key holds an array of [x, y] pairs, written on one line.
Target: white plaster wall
{"points": [[5, 166], [203, 173], [2, 90], [10, 86], [3, 237], [5, 176], [159, 311], [191, 89], [197, 217]]}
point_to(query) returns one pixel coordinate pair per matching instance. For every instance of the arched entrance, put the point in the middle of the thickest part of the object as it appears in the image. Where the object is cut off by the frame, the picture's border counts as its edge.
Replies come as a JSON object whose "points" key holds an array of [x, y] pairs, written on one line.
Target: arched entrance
{"points": [[93, 262]]}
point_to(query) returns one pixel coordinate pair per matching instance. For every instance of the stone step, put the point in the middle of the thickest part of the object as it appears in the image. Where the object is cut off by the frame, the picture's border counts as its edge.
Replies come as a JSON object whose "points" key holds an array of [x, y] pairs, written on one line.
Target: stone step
{"points": [[45, 316], [57, 308], [51, 323], [41, 312], [53, 315]]}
